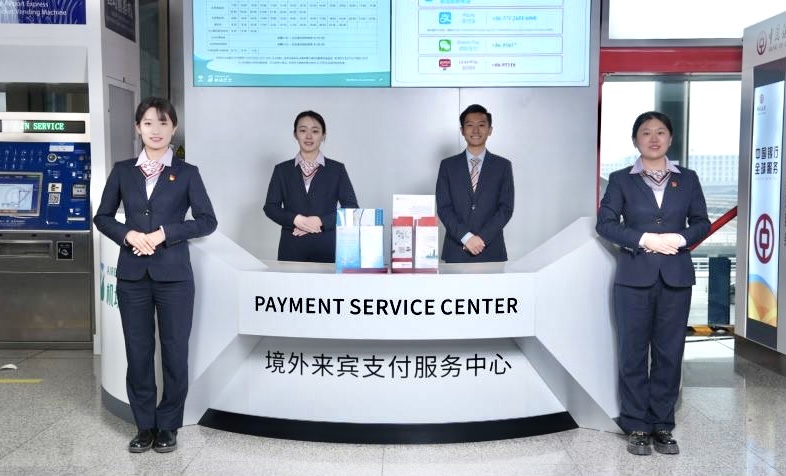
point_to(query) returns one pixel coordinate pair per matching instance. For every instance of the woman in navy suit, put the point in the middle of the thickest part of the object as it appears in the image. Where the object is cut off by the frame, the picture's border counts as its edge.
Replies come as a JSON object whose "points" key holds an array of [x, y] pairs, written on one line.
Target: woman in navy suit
{"points": [[654, 211], [303, 194], [154, 276]]}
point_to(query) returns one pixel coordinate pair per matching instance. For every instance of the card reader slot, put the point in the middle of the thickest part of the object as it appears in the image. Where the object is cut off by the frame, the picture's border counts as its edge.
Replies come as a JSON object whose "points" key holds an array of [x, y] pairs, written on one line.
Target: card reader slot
{"points": [[26, 248]]}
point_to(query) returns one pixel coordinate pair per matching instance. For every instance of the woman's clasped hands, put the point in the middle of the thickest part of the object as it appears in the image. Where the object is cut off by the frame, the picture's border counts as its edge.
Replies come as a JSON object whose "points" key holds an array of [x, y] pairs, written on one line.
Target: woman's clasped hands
{"points": [[663, 243], [305, 225], [144, 243]]}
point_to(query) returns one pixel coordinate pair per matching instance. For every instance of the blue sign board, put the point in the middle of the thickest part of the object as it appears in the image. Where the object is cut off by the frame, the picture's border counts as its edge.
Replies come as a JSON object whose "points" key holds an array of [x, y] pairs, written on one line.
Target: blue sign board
{"points": [[53, 12]]}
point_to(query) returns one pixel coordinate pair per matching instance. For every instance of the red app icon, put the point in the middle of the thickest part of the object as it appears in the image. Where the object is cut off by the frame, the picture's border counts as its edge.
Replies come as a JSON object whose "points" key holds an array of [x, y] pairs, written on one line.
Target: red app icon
{"points": [[444, 62]]}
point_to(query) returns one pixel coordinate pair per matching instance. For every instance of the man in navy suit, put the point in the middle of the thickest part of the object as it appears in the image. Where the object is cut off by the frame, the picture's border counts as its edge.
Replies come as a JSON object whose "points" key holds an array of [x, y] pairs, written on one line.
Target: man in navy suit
{"points": [[154, 274], [654, 211], [475, 195]]}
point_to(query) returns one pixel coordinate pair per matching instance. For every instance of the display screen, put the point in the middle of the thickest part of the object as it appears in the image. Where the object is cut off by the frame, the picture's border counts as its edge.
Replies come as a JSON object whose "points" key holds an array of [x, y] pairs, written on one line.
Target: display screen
{"points": [[765, 201], [491, 43], [20, 193], [42, 126], [57, 127], [400, 43], [292, 43]]}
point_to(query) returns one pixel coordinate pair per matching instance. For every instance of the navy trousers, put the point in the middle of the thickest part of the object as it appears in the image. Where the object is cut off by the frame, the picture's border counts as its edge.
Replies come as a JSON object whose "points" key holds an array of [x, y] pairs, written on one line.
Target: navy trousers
{"points": [[173, 302], [650, 321]]}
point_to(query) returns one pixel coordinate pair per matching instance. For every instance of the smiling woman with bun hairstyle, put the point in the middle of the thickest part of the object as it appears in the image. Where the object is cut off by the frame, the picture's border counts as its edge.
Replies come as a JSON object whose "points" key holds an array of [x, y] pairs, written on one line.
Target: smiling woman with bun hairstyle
{"points": [[303, 195]]}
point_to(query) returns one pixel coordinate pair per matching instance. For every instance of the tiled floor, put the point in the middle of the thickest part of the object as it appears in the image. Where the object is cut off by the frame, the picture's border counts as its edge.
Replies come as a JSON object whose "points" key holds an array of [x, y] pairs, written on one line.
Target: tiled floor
{"points": [[731, 421]]}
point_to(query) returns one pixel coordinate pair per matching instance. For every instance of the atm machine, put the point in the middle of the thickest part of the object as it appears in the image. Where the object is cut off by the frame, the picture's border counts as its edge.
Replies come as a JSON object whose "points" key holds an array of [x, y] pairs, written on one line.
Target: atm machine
{"points": [[46, 281]]}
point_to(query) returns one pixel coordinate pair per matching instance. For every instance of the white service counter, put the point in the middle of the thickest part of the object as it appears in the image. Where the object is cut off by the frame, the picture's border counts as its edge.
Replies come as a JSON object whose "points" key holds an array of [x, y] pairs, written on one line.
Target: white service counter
{"points": [[476, 352]]}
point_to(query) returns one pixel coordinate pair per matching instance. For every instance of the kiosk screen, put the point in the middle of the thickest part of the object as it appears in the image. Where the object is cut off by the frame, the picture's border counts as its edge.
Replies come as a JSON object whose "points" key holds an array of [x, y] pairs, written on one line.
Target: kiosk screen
{"points": [[20, 193]]}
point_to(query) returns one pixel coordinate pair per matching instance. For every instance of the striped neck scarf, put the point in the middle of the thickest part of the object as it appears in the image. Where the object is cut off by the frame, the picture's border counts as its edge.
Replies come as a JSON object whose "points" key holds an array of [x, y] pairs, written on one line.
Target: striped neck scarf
{"points": [[151, 168], [308, 168], [656, 179]]}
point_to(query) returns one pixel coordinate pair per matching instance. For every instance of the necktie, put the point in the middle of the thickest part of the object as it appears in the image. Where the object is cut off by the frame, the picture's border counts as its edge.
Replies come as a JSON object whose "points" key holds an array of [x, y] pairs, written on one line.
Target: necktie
{"points": [[474, 173], [151, 168]]}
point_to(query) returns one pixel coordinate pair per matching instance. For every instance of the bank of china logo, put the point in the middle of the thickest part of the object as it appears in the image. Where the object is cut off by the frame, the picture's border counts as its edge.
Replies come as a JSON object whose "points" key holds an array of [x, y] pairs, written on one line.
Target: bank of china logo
{"points": [[761, 43], [763, 238], [761, 108]]}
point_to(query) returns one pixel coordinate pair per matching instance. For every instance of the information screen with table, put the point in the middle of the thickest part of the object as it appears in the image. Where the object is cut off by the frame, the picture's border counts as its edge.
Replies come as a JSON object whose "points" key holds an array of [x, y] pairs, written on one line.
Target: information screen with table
{"points": [[383, 43], [292, 43]]}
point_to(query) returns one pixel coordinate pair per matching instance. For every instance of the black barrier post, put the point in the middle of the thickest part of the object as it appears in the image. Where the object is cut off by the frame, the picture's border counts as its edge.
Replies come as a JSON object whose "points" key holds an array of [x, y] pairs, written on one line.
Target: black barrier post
{"points": [[719, 291]]}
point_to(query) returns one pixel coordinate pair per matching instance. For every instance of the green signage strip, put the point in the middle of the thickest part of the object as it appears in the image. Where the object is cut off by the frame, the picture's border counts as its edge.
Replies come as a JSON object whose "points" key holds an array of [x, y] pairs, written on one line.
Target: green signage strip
{"points": [[45, 126]]}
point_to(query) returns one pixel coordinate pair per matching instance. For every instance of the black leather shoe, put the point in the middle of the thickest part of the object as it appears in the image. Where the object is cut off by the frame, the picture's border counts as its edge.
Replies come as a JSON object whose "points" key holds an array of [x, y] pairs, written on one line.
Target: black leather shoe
{"points": [[142, 442], [664, 443], [166, 441], [639, 443]]}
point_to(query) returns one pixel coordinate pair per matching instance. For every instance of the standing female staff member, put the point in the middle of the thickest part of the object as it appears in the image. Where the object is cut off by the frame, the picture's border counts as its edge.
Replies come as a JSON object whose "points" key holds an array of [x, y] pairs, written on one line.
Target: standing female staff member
{"points": [[154, 269], [303, 193], [663, 213]]}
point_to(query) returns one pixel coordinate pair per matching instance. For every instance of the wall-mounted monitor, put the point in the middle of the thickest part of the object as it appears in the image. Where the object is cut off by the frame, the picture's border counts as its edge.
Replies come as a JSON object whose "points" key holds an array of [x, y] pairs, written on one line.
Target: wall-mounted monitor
{"points": [[20, 193], [292, 43], [399, 43], [488, 43]]}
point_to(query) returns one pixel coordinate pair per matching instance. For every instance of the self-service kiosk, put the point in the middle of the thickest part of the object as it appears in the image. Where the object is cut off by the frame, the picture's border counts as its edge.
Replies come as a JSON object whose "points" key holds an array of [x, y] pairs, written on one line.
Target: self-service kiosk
{"points": [[46, 282]]}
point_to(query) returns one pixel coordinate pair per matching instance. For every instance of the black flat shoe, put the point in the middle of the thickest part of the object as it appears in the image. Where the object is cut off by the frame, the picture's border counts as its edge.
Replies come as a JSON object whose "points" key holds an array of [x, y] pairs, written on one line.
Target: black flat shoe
{"points": [[639, 443], [665, 443], [142, 442], [166, 441]]}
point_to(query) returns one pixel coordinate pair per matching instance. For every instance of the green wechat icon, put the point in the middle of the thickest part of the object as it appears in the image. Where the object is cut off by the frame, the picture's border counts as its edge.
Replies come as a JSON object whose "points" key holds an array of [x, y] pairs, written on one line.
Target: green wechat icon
{"points": [[444, 45]]}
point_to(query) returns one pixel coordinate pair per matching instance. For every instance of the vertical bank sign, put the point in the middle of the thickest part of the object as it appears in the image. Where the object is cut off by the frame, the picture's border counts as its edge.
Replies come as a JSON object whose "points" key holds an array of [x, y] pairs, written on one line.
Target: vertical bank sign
{"points": [[765, 203], [57, 12]]}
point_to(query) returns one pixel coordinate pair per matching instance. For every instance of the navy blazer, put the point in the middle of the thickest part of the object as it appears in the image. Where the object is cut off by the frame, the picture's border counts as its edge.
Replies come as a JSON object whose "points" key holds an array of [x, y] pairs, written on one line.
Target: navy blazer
{"points": [[287, 198], [179, 188], [683, 210], [484, 212]]}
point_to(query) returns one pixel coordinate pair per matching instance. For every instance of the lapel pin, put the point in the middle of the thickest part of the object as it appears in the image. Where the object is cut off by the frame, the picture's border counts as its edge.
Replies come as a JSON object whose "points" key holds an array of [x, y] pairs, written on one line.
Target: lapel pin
{"points": [[172, 178], [673, 183]]}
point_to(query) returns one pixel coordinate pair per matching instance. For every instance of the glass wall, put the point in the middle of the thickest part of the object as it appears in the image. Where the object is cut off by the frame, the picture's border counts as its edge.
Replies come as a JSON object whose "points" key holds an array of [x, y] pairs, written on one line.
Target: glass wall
{"points": [[622, 102], [721, 21], [43, 97], [154, 48]]}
